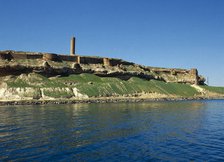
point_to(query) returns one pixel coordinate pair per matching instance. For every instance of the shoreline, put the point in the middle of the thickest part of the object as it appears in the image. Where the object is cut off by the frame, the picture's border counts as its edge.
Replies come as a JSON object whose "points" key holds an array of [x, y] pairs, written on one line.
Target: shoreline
{"points": [[106, 100]]}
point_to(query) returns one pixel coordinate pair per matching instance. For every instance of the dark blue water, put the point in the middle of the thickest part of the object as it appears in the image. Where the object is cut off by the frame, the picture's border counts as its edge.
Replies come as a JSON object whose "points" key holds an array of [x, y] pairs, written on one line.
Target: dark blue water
{"points": [[162, 131]]}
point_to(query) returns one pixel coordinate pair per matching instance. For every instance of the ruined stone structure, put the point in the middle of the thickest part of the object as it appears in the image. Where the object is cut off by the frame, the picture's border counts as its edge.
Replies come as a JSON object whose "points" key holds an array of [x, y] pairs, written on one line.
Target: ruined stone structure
{"points": [[106, 62], [194, 72], [16, 55], [97, 65], [72, 46]]}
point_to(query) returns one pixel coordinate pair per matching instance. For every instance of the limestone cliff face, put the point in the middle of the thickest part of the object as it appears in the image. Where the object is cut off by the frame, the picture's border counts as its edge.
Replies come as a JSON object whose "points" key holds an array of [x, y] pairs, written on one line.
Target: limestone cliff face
{"points": [[29, 93]]}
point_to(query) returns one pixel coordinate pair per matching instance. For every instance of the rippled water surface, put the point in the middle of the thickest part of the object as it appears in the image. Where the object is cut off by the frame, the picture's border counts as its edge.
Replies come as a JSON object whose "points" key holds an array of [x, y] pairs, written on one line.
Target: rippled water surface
{"points": [[169, 131]]}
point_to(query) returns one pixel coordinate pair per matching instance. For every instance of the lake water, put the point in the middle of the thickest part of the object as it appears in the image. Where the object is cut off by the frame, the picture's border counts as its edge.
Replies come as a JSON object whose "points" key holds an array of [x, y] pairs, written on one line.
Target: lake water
{"points": [[154, 131]]}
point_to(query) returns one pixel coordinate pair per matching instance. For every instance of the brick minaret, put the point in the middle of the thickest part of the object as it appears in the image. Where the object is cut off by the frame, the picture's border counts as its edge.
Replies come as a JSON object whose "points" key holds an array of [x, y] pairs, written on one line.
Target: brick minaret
{"points": [[72, 47]]}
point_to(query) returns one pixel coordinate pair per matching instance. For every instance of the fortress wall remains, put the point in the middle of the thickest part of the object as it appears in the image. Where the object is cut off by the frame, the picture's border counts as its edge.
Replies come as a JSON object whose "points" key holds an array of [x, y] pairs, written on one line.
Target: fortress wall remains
{"points": [[4, 56], [18, 56], [51, 57], [106, 62], [188, 76], [90, 60], [194, 74], [78, 60], [54, 57], [68, 58], [171, 71], [161, 70], [10, 56], [35, 56], [115, 62]]}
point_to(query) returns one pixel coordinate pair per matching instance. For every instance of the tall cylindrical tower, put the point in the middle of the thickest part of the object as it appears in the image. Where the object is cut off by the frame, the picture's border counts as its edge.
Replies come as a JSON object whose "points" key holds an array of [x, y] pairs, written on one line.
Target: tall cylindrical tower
{"points": [[72, 46]]}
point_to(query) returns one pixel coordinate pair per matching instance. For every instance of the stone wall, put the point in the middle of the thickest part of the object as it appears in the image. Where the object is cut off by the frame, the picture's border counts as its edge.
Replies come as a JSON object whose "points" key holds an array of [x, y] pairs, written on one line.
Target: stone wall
{"points": [[90, 60], [167, 74], [106, 62], [68, 58], [169, 70], [4, 56], [20, 55], [35, 56], [51, 57], [194, 74], [115, 62], [55, 57]]}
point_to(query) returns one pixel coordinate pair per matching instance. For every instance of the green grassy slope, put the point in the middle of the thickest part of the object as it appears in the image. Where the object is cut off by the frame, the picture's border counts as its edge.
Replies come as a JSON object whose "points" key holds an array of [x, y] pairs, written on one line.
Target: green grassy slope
{"points": [[219, 90], [93, 85], [109, 86]]}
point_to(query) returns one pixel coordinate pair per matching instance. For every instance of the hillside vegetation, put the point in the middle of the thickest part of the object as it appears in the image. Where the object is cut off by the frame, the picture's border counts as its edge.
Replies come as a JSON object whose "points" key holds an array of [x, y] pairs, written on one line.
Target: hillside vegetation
{"points": [[93, 85], [32, 76], [37, 86], [219, 90], [106, 86]]}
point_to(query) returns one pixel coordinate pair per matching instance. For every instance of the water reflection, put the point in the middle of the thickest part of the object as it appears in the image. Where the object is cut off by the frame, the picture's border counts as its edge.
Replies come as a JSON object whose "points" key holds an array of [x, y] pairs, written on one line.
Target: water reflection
{"points": [[188, 130]]}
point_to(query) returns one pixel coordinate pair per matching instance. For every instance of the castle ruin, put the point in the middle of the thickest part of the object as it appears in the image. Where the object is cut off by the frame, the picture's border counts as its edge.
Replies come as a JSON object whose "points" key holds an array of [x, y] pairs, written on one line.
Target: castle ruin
{"points": [[177, 75]]}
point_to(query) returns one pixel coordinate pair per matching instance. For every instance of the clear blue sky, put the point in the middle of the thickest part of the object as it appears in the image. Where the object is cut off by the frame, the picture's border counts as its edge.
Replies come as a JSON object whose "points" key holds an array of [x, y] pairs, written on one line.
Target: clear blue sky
{"points": [[164, 33]]}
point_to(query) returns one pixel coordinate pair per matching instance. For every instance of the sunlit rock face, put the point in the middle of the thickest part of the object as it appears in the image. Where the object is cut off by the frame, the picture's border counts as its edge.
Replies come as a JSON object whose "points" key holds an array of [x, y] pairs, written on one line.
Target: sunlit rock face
{"points": [[18, 62]]}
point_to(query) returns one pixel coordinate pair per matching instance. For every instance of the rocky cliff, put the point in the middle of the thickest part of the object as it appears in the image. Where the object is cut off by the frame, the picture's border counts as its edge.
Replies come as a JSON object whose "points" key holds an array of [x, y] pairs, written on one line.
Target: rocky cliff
{"points": [[43, 76], [13, 62]]}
